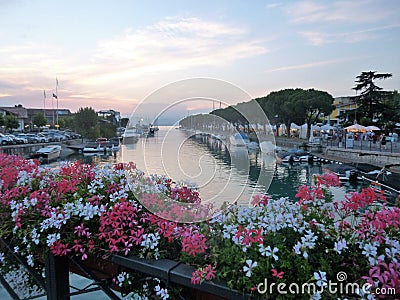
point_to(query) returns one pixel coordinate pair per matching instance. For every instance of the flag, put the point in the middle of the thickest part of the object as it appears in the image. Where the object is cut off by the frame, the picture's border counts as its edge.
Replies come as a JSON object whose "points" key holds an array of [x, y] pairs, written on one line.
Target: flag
{"points": [[55, 96]]}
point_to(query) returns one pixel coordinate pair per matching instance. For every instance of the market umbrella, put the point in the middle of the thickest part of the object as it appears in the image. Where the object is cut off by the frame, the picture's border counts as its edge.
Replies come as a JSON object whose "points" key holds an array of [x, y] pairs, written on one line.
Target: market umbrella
{"points": [[327, 127], [356, 128], [372, 128]]}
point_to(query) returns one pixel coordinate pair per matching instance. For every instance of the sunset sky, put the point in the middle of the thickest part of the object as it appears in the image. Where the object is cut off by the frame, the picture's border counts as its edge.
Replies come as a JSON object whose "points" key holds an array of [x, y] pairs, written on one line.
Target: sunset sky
{"points": [[112, 54]]}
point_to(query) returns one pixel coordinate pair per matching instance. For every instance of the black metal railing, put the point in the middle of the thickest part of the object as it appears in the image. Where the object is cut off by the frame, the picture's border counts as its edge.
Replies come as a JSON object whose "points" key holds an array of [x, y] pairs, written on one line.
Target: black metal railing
{"points": [[56, 281]]}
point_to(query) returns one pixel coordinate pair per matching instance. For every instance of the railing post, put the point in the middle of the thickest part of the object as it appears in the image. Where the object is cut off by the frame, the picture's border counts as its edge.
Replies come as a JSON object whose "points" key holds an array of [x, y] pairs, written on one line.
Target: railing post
{"points": [[57, 277]]}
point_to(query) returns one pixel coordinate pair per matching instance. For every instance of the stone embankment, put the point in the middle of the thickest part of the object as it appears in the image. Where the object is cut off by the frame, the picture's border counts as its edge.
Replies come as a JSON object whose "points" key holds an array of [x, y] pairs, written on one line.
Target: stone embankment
{"points": [[375, 158]]}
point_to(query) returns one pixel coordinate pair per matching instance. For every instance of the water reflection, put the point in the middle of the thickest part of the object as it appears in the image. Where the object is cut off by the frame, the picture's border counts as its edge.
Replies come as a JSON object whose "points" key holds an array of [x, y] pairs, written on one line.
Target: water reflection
{"points": [[221, 171]]}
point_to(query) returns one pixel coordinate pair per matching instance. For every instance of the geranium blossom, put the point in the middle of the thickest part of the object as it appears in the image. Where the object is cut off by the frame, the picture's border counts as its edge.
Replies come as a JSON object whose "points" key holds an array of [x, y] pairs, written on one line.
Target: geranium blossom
{"points": [[250, 265]]}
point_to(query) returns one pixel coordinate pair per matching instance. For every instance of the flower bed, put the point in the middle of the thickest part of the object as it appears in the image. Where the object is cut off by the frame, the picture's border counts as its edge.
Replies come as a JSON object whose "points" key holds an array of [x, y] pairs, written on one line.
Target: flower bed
{"points": [[314, 247]]}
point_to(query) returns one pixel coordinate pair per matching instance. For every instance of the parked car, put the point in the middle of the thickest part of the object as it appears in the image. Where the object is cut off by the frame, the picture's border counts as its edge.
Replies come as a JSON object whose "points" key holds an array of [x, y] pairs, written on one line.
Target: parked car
{"points": [[21, 138], [42, 138], [4, 140], [12, 139], [32, 138]]}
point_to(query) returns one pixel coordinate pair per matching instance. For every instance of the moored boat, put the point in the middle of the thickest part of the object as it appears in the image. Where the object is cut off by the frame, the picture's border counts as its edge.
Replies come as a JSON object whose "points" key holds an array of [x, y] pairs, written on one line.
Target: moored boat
{"points": [[343, 171], [49, 152], [93, 147], [130, 135], [239, 139]]}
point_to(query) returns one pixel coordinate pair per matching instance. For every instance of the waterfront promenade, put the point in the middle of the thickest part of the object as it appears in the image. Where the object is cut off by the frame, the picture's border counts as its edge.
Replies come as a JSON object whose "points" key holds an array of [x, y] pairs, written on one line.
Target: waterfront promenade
{"points": [[361, 151]]}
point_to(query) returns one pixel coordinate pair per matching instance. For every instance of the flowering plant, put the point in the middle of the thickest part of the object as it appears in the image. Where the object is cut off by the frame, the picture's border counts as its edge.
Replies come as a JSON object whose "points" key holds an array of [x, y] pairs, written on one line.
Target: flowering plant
{"points": [[276, 248]]}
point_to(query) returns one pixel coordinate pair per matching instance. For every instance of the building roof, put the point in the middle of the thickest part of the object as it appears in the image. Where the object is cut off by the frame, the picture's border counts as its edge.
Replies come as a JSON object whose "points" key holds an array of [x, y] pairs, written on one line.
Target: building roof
{"points": [[18, 111]]}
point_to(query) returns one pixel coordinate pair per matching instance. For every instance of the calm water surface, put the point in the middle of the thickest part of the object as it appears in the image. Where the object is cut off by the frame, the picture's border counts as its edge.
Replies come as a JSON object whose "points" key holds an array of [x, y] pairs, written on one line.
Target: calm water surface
{"points": [[222, 173]]}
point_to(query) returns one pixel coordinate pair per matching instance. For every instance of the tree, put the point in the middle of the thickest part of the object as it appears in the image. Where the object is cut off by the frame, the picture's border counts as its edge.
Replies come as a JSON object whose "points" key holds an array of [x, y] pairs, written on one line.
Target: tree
{"points": [[1, 120], [311, 104], [108, 130], [11, 122], [86, 123], [370, 100], [281, 107], [391, 115], [39, 120]]}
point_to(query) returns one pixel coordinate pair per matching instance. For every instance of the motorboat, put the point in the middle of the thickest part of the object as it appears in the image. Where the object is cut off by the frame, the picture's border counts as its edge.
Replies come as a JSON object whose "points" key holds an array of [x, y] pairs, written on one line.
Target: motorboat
{"points": [[93, 147], [253, 146], [49, 152], [239, 139], [343, 171], [151, 131], [267, 147], [130, 135]]}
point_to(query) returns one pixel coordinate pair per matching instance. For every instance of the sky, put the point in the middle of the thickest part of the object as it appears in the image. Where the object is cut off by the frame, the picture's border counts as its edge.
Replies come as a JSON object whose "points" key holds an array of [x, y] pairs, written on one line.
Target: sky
{"points": [[117, 54]]}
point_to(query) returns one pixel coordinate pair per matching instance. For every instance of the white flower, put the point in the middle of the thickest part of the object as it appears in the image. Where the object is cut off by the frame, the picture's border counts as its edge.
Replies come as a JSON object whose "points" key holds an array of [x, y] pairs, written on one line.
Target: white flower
{"points": [[316, 296], [250, 265], [268, 252], [163, 293], [320, 277], [29, 260], [52, 238], [340, 245]]}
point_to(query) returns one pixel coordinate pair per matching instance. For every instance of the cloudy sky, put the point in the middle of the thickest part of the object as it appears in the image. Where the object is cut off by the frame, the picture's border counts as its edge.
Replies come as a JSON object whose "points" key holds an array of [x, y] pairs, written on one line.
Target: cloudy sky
{"points": [[113, 54]]}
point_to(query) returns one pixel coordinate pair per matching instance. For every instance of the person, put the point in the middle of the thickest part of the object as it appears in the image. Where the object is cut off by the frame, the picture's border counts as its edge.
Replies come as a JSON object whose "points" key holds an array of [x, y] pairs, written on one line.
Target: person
{"points": [[383, 141], [393, 139]]}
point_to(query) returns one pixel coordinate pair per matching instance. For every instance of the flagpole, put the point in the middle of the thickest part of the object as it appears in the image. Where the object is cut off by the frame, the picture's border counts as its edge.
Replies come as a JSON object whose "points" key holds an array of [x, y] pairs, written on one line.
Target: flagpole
{"points": [[44, 103], [57, 100], [52, 107]]}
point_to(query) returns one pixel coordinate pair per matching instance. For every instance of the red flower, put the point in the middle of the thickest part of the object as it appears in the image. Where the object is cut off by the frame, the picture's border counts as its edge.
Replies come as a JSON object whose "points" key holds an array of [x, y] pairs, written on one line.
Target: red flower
{"points": [[276, 274]]}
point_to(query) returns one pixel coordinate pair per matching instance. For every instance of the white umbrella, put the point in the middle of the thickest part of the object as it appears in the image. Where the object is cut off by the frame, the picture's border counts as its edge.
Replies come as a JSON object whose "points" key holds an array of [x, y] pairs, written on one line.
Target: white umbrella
{"points": [[315, 127], [372, 128], [356, 128], [327, 127]]}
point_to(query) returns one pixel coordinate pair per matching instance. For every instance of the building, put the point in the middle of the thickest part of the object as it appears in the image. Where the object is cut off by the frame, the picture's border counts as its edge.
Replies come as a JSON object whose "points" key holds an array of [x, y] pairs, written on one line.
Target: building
{"points": [[344, 106], [25, 116], [19, 112], [51, 115], [113, 116]]}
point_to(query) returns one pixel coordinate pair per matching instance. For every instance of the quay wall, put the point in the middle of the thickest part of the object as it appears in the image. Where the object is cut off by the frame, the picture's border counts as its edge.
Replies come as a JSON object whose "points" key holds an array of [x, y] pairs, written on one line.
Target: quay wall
{"points": [[376, 158]]}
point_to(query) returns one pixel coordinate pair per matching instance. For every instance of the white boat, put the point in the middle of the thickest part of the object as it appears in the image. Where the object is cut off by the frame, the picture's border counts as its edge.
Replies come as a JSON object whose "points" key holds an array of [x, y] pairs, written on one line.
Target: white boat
{"points": [[49, 152], [253, 146], [130, 135], [267, 147], [239, 139], [93, 147]]}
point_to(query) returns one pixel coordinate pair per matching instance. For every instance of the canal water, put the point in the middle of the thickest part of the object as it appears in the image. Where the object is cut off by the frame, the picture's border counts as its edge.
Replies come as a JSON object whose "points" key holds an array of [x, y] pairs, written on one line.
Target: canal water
{"points": [[223, 173]]}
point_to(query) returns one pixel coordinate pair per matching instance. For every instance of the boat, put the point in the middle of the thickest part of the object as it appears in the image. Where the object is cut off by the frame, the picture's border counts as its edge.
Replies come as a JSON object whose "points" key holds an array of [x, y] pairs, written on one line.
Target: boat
{"points": [[253, 146], [300, 155], [49, 152], [150, 132], [284, 157], [267, 147], [93, 147], [239, 139], [343, 171], [130, 135]]}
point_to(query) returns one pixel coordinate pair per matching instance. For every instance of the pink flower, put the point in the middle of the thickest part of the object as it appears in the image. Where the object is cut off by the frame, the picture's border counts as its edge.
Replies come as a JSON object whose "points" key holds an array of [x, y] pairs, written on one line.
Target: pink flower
{"points": [[276, 274]]}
